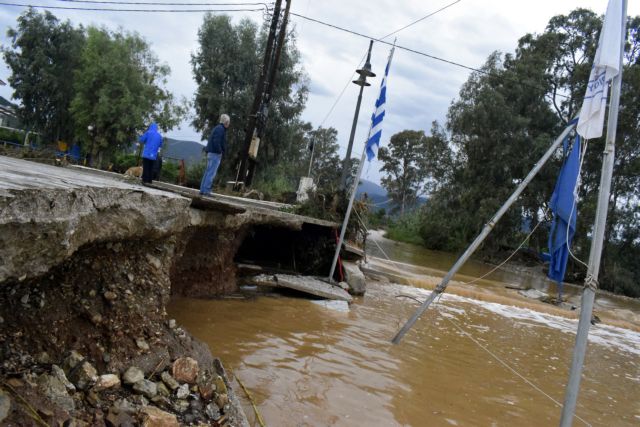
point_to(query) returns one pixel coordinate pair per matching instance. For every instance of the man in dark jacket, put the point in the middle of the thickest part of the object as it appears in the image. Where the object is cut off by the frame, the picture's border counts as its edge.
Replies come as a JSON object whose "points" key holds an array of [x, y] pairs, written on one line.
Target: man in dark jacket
{"points": [[215, 149], [152, 141]]}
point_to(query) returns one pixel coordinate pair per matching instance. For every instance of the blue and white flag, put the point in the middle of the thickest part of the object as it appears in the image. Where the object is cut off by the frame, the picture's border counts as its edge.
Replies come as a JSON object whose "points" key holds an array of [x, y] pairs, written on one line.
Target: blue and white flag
{"points": [[563, 205], [605, 67], [376, 119]]}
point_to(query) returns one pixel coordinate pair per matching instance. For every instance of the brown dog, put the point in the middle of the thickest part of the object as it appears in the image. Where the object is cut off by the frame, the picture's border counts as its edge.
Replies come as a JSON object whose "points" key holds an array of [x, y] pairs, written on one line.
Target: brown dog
{"points": [[134, 172]]}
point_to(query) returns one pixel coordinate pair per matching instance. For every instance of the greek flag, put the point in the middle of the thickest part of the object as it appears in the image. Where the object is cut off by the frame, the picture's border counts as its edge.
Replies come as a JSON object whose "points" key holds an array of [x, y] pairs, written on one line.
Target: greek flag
{"points": [[376, 119]]}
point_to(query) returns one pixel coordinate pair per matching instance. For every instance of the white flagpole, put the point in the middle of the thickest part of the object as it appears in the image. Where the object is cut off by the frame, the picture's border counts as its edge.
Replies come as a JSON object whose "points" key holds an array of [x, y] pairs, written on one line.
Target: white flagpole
{"points": [[591, 281], [355, 184]]}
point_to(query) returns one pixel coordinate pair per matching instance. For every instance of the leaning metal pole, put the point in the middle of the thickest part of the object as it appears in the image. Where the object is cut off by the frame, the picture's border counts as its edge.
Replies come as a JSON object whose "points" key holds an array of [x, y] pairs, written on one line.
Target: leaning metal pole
{"points": [[346, 164], [485, 232], [355, 184], [591, 281]]}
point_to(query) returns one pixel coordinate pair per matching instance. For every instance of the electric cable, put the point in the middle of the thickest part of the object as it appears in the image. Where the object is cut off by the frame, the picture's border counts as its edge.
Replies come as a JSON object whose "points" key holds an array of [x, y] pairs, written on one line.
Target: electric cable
{"points": [[468, 335], [364, 56], [101, 9], [576, 193], [151, 3], [506, 365], [421, 19], [417, 52], [343, 91]]}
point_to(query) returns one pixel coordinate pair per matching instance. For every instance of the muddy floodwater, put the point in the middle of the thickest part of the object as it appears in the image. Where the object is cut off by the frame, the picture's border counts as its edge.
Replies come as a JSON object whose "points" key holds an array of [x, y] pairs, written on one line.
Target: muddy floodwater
{"points": [[466, 363]]}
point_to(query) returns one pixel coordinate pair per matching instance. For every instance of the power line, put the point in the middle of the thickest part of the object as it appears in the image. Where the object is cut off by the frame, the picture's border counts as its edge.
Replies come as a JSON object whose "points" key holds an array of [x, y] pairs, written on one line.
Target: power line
{"points": [[379, 40], [101, 9], [165, 3], [422, 19], [342, 92], [417, 52], [390, 34]]}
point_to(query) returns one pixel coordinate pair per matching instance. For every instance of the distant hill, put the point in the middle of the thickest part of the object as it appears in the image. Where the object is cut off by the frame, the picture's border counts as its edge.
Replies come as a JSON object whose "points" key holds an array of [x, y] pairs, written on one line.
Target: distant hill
{"points": [[378, 196], [376, 193], [190, 151]]}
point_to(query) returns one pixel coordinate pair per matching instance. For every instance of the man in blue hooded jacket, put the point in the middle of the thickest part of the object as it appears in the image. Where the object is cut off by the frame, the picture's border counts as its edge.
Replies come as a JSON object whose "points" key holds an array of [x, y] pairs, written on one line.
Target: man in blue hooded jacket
{"points": [[152, 141], [214, 149]]}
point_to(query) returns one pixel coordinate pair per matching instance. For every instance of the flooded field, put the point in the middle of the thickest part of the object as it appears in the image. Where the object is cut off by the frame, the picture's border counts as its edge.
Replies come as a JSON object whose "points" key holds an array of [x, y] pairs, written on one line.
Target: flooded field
{"points": [[465, 363]]}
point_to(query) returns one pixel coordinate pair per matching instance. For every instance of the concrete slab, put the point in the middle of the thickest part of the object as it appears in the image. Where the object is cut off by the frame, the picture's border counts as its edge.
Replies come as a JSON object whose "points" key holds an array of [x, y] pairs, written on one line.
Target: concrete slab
{"points": [[262, 206], [216, 201], [306, 284], [18, 174]]}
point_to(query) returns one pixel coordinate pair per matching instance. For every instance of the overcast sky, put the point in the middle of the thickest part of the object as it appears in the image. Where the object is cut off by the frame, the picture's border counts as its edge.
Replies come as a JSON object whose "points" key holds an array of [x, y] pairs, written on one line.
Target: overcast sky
{"points": [[419, 89]]}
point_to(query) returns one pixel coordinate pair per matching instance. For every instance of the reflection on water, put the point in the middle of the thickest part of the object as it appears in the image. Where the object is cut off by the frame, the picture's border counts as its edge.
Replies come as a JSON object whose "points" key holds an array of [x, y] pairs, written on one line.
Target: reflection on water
{"points": [[308, 365]]}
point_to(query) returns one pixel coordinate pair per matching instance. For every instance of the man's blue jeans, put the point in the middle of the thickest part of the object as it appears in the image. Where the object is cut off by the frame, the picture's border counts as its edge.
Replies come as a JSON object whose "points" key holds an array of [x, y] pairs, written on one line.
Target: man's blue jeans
{"points": [[213, 161]]}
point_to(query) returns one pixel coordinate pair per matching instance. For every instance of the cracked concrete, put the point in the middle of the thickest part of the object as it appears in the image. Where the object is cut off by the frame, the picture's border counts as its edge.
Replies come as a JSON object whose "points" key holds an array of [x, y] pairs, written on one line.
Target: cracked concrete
{"points": [[47, 213]]}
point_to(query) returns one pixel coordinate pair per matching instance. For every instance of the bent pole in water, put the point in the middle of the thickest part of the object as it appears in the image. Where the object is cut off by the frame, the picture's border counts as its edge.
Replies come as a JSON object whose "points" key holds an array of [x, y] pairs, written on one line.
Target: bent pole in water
{"points": [[483, 235]]}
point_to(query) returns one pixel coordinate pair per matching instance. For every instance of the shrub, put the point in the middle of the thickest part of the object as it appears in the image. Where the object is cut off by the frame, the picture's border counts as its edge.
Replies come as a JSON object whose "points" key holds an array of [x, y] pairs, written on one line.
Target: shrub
{"points": [[11, 135], [406, 229], [194, 174], [124, 161], [274, 183], [169, 172]]}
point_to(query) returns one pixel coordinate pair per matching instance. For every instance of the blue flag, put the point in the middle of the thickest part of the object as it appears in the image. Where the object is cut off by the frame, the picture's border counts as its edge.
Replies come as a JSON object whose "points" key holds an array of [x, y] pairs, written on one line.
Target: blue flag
{"points": [[563, 205], [376, 119]]}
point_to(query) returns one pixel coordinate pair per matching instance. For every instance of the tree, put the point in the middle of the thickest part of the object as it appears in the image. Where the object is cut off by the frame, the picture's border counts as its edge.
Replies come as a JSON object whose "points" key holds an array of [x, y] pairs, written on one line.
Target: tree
{"points": [[326, 163], [226, 68], [118, 91], [41, 42], [404, 167], [504, 118]]}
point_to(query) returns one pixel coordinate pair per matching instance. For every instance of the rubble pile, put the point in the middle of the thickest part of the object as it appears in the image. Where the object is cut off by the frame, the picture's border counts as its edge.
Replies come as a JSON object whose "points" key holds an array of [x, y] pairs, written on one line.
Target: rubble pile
{"points": [[90, 343]]}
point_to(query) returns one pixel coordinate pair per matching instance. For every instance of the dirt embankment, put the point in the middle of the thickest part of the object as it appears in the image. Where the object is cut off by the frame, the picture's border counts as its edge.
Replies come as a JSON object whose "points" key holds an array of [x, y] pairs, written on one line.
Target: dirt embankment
{"points": [[105, 304], [87, 266]]}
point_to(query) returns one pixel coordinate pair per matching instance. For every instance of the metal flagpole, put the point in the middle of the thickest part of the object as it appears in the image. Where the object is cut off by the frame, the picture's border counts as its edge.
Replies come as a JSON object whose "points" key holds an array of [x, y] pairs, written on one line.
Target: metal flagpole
{"points": [[353, 191], [485, 232], [591, 281], [348, 213]]}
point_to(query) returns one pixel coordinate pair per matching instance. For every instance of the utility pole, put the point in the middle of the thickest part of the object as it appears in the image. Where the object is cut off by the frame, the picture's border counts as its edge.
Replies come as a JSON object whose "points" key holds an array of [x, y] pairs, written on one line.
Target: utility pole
{"points": [[364, 72], [266, 100], [266, 83], [257, 99]]}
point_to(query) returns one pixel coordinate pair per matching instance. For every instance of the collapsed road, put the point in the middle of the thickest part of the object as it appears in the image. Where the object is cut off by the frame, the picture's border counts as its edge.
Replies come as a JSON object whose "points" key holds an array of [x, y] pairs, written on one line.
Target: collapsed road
{"points": [[88, 262]]}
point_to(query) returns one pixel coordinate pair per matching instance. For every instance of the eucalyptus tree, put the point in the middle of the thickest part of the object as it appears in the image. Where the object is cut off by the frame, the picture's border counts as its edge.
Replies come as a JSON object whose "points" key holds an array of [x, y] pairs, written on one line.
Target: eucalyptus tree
{"points": [[42, 55], [225, 67], [505, 116]]}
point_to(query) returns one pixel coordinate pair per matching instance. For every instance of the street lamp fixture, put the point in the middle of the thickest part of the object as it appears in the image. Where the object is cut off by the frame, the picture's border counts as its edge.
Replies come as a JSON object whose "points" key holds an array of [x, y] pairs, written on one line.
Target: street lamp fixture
{"points": [[364, 72]]}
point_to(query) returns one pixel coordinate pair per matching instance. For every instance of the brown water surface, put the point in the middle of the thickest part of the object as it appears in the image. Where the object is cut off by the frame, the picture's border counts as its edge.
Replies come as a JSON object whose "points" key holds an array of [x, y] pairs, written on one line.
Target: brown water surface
{"points": [[421, 261], [308, 365], [465, 363]]}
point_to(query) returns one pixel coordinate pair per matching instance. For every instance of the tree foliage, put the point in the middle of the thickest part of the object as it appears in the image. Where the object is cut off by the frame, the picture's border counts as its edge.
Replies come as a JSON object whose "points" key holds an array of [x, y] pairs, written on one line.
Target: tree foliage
{"points": [[404, 167], [326, 165], [118, 90], [69, 78], [415, 165], [43, 54], [226, 68], [506, 116]]}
